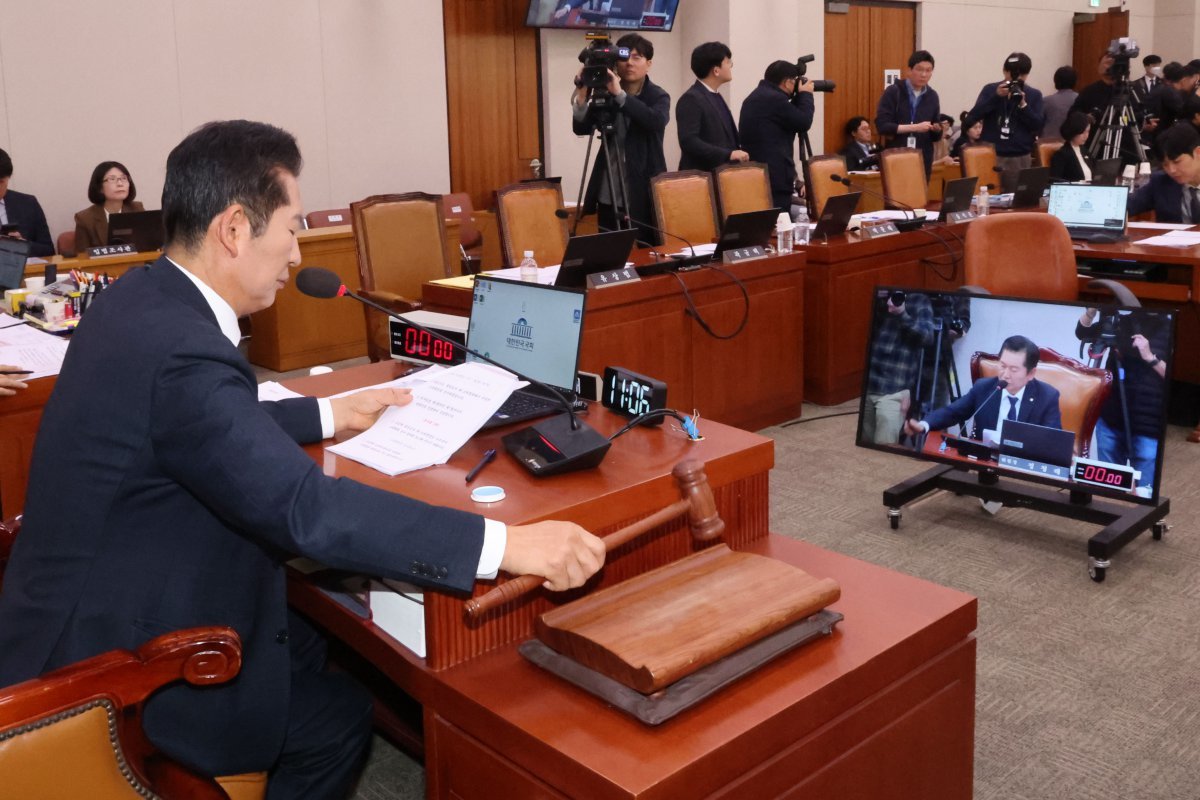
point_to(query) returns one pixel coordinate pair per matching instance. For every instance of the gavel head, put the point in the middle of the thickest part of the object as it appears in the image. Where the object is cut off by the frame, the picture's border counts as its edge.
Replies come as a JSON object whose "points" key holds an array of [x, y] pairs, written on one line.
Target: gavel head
{"points": [[706, 524]]}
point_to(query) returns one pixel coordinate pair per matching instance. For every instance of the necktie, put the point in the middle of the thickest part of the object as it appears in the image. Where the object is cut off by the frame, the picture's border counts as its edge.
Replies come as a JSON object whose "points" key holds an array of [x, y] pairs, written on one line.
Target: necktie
{"points": [[1012, 407], [1194, 195]]}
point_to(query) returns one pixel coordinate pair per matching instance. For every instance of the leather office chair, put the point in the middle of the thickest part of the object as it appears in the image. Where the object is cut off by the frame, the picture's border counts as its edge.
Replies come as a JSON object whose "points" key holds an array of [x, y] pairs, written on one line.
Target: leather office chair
{"points": [[979, 161], [1047, 148], [64, 245], [820, 187], [1021, 254], [903, 170], [328, 218], [458, 206], [528, 222], [743, 187], [400, 241], [1081, 390], [683, 204]]}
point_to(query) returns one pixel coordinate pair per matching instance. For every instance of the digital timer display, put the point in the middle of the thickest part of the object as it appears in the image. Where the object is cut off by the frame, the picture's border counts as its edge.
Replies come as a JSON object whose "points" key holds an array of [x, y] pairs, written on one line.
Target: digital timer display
{"points": [[1108, 475], [631, 394], [413, 344]]}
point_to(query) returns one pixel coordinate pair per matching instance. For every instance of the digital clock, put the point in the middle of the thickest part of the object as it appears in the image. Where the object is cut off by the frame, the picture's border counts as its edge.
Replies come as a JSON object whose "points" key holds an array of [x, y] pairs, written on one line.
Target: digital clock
{"points": [[1099, 473], [631, 394], [412, 343]]}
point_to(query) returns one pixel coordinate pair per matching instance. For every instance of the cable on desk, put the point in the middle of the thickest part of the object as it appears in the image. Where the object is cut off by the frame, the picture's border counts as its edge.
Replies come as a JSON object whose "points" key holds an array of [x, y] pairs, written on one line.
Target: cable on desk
{"points": [[690, 425], [695, 312]]}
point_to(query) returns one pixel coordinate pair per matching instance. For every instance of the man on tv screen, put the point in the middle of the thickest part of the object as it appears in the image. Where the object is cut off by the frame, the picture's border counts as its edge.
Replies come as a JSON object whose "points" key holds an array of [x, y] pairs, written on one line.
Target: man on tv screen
{"points": [[902, 331], [1014, 394]]}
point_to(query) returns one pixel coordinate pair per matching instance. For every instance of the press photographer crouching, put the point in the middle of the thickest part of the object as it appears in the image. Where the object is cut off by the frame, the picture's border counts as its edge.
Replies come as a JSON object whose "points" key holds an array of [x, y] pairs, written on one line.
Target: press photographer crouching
{"points": [[1012, 117], [778, 109], [1128, 428], [615, 96]]}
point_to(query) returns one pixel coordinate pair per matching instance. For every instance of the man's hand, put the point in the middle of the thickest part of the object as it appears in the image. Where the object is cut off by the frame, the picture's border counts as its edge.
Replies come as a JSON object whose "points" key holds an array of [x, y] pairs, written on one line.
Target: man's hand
{"points": [[358, 411], [1002, 89], [895, 309], [614, 84], [559, 13], [739, 155], [920, 127], [1142, 345], [561, 552], [1088, 317], [804, 86], [15, 234], [913, 427], [10, 384]]}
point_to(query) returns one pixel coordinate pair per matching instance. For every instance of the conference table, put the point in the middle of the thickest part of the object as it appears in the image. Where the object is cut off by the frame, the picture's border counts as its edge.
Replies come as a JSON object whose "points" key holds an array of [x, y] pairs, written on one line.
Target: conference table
{"points": [[883, 706]]}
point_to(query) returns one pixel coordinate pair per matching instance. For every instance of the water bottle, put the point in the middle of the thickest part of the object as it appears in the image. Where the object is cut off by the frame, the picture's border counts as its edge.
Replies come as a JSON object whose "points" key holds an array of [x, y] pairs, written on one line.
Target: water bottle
{"points": [[802, 229], [981, 205], [783, 233], [529, 268], [1143, 175]]}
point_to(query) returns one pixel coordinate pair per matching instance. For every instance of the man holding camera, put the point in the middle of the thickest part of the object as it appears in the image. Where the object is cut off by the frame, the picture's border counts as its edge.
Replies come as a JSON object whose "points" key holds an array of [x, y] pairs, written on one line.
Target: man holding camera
{"points": [[904, 329], [779, 108], [642, 110], [1012, 117], [708, 136]]}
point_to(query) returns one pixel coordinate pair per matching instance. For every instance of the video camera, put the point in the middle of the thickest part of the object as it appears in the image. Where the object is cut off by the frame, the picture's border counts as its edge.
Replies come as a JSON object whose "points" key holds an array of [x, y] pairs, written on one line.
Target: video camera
{"points": [[818, 86], [600, 56], [1111, 330], [1122, 50]]}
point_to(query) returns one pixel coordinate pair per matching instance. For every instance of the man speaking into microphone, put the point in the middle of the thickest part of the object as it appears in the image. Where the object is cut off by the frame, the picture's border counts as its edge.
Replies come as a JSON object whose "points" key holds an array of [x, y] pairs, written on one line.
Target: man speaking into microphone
{"points": [[1013, 394], [163, 495]]}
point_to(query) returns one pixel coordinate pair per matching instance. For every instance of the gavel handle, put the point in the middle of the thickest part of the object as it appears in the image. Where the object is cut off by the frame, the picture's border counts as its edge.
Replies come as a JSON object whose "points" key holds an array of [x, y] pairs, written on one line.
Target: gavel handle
{"points": [[511, 590]]}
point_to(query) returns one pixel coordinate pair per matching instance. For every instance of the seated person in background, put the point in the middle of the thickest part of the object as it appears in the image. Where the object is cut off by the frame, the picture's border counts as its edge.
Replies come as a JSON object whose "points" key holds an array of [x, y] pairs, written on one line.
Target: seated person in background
{"points": [[860, 153], [941, 148], [10, 384], [1068, 163], [21, 215], [1173, 193], [1023, 397], [905, 329], [969, 136], [1138, 350], [111, 191]]}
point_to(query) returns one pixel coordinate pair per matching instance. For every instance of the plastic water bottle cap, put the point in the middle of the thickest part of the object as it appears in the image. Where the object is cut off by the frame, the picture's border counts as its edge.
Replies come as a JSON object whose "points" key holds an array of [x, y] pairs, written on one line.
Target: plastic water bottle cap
{"points": [[529, 254], [487, 494], [783, 221]]}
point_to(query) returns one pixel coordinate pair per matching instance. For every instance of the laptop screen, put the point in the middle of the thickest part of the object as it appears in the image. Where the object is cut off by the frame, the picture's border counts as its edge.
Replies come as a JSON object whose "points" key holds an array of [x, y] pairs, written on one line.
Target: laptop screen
{"points": [[528, 327], [1095, 207]]}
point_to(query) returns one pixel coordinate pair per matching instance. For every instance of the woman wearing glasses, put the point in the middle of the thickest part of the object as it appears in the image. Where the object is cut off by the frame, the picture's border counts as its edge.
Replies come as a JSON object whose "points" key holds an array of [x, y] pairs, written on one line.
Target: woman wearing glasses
{"points": [[111, 191]]}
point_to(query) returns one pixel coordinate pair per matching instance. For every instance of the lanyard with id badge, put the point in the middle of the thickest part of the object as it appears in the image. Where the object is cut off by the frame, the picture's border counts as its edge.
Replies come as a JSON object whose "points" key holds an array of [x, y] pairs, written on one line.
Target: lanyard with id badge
{"points": [[913, 99]]}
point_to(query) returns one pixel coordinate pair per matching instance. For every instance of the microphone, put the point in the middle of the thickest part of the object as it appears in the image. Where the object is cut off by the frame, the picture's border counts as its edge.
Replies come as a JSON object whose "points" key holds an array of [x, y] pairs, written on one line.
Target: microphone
{"points": [[562, 443], [562, 213], [1001, 385], [901, 224]]}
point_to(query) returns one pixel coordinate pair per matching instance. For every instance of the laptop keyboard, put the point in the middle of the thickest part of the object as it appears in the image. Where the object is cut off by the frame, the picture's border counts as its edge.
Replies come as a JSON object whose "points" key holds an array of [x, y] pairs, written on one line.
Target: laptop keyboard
{"points": [[520, 404]]}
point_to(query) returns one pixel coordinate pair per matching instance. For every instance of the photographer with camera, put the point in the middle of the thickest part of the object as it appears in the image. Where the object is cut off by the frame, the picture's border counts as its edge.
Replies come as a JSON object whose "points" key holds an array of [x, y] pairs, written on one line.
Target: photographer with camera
{"points": [[778, 109], [708, 136], [905, 329], [1012, 118], [1128, 428], [908, 110], [1112, 98], [636, 110]]}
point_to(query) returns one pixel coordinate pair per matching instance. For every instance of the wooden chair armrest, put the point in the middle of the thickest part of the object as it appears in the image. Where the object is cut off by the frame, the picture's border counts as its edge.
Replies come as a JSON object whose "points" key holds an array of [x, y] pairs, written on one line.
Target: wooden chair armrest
{"points": [[396, 302]]}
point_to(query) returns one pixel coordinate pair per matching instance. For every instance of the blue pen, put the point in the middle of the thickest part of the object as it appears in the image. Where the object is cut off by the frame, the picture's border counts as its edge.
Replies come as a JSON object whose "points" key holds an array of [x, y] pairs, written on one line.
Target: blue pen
{"points": [[483, 462]]}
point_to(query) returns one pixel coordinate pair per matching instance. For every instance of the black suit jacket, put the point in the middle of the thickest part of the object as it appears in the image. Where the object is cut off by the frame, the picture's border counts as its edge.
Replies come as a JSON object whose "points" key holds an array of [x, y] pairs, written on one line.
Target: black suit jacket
{"points": [[857, 160], [26, 213], [1039, 406], [1064, 165], [163, 495], [1162, 195], [706, 136], [768, 126]]}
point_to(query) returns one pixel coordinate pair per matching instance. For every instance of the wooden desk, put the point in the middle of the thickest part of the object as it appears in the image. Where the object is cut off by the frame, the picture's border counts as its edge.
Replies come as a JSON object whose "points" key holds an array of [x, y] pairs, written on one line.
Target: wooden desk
{"points": [[753, 380], [884, 707], [20, 416]]}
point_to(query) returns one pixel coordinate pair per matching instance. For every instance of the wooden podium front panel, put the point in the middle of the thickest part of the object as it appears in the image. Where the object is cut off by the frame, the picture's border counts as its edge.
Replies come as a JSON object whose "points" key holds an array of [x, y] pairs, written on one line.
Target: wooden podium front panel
{"points": [[882, 708], [20, 416]]}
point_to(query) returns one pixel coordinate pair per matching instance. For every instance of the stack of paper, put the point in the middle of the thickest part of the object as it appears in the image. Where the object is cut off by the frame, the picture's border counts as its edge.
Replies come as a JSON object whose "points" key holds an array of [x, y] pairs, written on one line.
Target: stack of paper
{"points": [[28, 348], [1174, 238], [447, 409]]}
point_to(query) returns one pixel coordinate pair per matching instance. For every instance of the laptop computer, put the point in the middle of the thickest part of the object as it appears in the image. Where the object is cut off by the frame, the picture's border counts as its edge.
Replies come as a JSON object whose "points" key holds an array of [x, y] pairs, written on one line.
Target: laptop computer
{"points": [[532, 329], [142, 229], [957, 196], [1091, 213], [835, 216], [594, 253], [747, 229], [1037, 443], [1106, 172]]}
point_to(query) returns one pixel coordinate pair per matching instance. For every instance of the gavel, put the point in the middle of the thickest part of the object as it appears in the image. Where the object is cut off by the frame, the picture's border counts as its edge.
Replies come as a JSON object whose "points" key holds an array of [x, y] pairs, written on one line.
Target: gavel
{"points": [[697, 502]]}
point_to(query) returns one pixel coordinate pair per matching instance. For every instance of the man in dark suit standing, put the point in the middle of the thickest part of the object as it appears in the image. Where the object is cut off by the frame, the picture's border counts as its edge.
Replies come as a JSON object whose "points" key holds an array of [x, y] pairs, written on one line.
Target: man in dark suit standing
{"points": [[708, 136], [1022, 397], [1173, 193], [187, 494], [21, 215], [778, 109]]}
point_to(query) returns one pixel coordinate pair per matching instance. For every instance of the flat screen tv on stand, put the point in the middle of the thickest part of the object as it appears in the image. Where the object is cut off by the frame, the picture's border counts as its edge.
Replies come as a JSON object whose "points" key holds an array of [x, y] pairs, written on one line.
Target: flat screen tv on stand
{"points": [[1055, 406]]}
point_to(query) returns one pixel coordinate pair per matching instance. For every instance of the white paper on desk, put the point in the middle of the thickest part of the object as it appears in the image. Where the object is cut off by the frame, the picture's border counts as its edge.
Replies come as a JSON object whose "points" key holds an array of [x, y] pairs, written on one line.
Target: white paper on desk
{"points": [[1173, 239], [408, 381], [445, 412], [28, 348], [399, 610], [1161, 226], [546, 275], [704, 249], [274, 390]]}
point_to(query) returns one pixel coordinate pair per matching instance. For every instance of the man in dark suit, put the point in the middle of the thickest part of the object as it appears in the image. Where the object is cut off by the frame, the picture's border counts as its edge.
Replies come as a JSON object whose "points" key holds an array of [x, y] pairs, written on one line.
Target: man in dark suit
{"points": [[1023, 397], [187, 494], [642, 111], [1173, 193], [778, 109], [860, 152], [21, 215], [708, 136]]}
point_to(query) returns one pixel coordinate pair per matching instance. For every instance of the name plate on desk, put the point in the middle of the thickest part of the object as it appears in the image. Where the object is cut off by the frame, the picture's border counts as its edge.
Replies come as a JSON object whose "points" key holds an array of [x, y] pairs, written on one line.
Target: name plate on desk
{"points": [[111, 250], [743, 254], [612, 277], [878, 229], [955, 217]]}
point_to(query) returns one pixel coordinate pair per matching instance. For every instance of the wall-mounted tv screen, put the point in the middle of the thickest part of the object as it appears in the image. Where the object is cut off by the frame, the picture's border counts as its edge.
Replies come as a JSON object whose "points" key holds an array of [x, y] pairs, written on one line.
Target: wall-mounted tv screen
{"points": [[1068, 394], [613, 15]]}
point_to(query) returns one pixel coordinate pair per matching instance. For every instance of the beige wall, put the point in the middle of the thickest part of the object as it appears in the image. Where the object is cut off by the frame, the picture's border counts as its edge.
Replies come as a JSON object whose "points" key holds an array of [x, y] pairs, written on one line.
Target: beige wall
{"points": [[361, 84]]}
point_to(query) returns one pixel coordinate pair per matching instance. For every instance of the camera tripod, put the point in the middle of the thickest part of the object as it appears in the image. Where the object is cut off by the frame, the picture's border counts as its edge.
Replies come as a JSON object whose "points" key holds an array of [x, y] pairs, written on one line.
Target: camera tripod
{"points": [[604, 121], [1116, 120]]}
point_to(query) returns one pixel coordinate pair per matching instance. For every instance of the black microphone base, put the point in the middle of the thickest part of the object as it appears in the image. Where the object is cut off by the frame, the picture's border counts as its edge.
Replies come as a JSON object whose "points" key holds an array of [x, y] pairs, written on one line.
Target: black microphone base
{"points": [[551, 446], [905, 225]]}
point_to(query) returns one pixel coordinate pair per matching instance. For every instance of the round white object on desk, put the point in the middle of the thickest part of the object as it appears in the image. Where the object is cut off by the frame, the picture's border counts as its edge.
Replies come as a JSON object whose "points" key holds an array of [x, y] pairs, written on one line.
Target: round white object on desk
{"points": [[320, 370], [487, 494]]}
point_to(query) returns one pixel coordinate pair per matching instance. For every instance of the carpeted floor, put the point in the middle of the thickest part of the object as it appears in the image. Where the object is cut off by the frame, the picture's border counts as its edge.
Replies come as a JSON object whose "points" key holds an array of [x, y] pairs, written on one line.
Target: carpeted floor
{"points": [[1085, 690]]}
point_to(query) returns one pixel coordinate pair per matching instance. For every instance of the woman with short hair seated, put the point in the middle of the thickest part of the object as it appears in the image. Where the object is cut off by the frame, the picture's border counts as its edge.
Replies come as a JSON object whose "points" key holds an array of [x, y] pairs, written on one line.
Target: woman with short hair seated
{"points": [[1068, 163], [111, 191], [967, 136]]}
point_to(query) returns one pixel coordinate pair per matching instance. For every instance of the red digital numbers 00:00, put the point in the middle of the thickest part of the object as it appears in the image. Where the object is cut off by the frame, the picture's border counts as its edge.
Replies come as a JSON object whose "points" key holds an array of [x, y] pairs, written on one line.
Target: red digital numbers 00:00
{"points": [[421, 344], [1102, 475]]}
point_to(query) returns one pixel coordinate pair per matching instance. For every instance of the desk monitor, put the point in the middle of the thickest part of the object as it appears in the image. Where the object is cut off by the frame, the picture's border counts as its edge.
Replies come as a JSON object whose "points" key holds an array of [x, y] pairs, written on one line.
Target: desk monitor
{"points": [[1088, 211], [617, 16], [747, 229], [595, 253], [938, 355], [835, 216], [1106, 172], [1031, 185], [142, 229], [957, 196]]}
